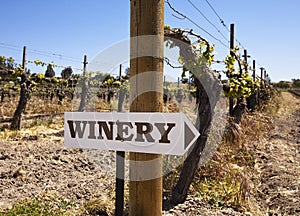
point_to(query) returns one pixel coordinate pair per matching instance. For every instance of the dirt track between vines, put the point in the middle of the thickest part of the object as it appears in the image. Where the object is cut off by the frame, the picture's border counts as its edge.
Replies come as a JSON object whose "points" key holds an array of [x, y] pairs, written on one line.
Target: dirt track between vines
{"points": [[278, 162]]}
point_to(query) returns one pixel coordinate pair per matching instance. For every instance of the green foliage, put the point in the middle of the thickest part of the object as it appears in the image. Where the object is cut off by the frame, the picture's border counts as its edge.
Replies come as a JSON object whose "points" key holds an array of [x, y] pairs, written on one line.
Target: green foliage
{"points": [[17, 72], [43, 64], [200, 56], [220, 193], [55, 80], [49, 72], [66, 73], [240, 84], [296, 83], [100, 76], [38, 63], [8, 63], [109, 80], [41, 76], [283, 84], [167, 27], [2, 60]]}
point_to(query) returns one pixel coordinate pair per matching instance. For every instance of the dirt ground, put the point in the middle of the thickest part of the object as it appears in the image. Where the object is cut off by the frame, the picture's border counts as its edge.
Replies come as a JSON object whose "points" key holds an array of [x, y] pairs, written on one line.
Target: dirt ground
{"points": [[37, 163], [32, 167], [278, 162]]}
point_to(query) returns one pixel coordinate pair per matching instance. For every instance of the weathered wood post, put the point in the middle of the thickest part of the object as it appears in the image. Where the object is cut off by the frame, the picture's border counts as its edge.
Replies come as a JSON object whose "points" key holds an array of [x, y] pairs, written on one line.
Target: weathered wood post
{"points": [[147, 18]]}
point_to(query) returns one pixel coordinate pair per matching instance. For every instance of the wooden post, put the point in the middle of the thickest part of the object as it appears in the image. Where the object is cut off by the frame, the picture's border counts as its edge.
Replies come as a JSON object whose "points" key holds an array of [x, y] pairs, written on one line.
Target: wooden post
{"points": [[246, 56], [84, 64], [261, 77], [147, 18], [24, 59], [120, 72], [84, 86], [231, 53], [231, 38], [261, 86], [120, 165], [254, 70]]}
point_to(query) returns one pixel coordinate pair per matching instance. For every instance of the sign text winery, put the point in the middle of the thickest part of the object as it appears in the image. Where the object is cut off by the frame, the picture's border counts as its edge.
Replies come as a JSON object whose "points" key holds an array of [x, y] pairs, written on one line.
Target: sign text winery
{"points": [[161, 133]]}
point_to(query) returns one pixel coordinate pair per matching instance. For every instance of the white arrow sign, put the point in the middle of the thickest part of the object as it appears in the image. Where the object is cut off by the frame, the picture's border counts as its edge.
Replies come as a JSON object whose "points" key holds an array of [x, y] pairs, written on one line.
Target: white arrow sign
{"points": [[158, 133]]}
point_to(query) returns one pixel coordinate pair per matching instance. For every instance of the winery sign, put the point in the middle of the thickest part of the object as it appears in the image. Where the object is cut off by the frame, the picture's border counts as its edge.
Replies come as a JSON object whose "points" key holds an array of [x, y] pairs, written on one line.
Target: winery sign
{"points": [[158, 133]]}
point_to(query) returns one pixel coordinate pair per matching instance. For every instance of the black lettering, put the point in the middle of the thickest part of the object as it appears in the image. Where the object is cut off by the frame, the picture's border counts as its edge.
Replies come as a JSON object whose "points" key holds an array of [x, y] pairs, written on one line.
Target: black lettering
{"points": [[121, 130], [108, 131], [78, 129], [164, 133], [92, 130], [144, 128]]}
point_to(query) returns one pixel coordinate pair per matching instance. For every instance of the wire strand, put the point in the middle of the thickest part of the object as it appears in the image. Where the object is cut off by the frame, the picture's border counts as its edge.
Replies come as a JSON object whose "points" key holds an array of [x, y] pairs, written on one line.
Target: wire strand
{"points": [[203, 15], [196, 24], [221, 20], [40, 52]]}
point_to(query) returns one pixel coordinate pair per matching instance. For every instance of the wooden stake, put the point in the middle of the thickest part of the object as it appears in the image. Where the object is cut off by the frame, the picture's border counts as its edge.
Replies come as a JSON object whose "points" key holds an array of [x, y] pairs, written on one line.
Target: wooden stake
{"points": [[261, 86], [147, 18], [254, 70], [246, 56], [261, 77], [24, 59], [84, 65], [120, 165], [84, 86], [231, 102]]}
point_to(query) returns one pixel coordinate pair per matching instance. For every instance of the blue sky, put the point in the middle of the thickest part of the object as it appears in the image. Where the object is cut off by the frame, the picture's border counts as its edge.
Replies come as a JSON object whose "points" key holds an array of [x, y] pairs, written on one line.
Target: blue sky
{"points": [[64, 31]]}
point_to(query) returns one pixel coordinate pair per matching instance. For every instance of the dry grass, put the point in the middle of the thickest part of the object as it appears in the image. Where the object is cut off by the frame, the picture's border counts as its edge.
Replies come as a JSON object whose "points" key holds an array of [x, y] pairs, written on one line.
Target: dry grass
{"points": [[226, 180], [35, 105], [50, 205]]}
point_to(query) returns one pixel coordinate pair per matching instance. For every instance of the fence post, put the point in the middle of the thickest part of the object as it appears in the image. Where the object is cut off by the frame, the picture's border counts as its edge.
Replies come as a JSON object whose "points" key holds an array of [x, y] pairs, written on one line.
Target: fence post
{"points": [[84, 91]]}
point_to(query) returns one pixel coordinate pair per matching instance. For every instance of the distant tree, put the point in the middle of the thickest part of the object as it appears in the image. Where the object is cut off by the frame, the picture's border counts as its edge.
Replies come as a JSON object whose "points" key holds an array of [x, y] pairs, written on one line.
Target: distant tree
{"points": [[127, 73], [49, 72], [100, 76], [66, 73], [296, 83], [283, 84]]}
